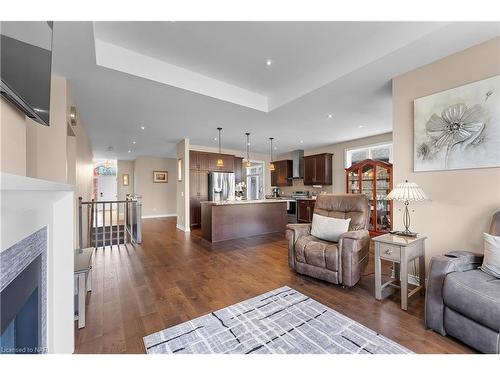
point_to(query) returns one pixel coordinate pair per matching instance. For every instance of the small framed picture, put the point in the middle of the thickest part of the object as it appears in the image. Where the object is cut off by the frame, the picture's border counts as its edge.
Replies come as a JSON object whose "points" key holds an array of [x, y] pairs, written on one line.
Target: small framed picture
{"points": [[125, 180], [160, 176]]}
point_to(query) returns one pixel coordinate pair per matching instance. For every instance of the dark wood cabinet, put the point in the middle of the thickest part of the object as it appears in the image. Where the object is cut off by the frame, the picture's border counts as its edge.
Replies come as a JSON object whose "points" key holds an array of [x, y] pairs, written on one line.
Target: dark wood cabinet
{"points": [[238, 170], [305, 210], [227, 159], [282, 174], [199, 161], [318, 169], [374, 179], [200, 165]]}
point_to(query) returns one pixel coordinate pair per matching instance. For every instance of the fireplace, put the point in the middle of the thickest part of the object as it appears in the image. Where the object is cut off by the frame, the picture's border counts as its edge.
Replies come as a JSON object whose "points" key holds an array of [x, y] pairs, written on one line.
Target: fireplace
{"points": [[23, 296]]}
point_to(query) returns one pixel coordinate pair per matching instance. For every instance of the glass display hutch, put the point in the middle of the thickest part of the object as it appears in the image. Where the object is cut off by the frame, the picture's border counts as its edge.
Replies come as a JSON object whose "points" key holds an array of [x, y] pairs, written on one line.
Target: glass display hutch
{"points": [[373, 178]]}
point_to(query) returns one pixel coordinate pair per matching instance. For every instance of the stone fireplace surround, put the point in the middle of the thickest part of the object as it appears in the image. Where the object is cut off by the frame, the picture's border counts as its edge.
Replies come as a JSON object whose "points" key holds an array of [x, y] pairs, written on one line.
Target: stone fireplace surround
{"points": [[30, 207]]}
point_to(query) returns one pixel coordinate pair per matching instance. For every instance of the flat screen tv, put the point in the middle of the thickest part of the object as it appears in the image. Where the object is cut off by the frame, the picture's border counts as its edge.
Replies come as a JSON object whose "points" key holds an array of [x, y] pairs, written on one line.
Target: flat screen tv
{"points": [[26, 61]]}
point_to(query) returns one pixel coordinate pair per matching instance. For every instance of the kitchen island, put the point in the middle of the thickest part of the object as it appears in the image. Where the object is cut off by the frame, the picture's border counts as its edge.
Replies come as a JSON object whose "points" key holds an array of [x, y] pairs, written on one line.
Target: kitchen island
{"points": [[228, 220]]}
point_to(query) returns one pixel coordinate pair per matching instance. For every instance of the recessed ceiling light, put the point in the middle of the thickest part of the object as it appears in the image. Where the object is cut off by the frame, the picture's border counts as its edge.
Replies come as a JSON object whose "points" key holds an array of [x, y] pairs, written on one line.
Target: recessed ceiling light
{"points": [[360, 126], [142, 128], [134, 142], [129, 151], [269, 62], [215, 138], [301, 141], [275, 147], [330, 115]]}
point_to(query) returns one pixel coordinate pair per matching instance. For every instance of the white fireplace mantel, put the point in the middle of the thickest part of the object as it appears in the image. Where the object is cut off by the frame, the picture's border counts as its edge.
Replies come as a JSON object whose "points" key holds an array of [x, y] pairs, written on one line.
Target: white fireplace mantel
{"points": [[27, 205]]}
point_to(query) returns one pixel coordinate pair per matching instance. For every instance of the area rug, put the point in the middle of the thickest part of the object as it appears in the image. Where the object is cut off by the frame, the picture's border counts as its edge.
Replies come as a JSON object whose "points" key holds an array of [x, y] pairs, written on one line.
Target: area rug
{"points": [[281, 321]]}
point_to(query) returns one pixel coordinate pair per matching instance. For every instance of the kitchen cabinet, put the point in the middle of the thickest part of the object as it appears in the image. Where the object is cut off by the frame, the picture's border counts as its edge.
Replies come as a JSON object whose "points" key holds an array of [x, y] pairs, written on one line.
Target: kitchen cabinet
{"points": [[198, 192], [305, 210], [318, 169], [227, 159], [373, 178], [282, 174], [199, 161], [238, 170]]}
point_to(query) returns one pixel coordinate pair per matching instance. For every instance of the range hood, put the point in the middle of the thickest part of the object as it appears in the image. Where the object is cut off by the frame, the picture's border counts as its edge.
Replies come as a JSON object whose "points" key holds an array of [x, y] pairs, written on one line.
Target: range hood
{"points": [[298, 164]]}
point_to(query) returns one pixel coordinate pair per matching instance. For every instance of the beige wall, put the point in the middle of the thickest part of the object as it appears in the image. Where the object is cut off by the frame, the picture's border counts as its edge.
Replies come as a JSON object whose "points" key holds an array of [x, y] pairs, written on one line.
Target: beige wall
{"points": [[158, 199], [183, 186], [242, 154], [12, 139], [462, 201], [46, 151], [125, 167], [338, 163]]}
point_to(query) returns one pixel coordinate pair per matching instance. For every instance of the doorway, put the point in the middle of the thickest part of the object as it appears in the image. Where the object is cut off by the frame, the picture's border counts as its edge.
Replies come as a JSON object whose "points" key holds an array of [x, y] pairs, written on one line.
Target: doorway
{"points": [[105, 180], [255, 180]]}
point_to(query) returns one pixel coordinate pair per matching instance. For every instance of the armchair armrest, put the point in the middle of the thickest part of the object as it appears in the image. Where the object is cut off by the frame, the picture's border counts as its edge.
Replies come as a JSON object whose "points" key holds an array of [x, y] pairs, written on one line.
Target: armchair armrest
{"points": [[440, 266], [293, 233], [353, 255]]}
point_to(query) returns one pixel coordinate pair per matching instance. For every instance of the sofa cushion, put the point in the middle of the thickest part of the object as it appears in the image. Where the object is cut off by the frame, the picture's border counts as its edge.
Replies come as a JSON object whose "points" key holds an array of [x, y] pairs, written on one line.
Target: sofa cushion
{"points": [[474, 294], [491, 260], [328, 228], [316, 252]]}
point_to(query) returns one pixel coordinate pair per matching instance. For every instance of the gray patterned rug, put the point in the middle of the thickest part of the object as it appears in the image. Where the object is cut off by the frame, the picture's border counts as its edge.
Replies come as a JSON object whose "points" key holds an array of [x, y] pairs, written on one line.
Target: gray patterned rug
{"points": [[280, 321]]}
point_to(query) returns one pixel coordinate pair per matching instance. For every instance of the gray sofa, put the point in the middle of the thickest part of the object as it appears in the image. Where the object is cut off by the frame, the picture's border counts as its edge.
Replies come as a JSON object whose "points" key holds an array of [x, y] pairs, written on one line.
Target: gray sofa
{"points": [[339, 262], [462, 301]]}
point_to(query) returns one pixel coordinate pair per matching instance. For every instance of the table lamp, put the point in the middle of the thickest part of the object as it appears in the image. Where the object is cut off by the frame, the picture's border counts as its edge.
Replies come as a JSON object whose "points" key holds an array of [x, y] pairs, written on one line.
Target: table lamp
{"points": [[407, 192]]}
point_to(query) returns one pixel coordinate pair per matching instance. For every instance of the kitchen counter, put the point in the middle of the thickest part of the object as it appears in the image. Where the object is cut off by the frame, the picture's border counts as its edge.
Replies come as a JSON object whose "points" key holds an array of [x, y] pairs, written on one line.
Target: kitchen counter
{"points": [[227, 220], [235, 202]]}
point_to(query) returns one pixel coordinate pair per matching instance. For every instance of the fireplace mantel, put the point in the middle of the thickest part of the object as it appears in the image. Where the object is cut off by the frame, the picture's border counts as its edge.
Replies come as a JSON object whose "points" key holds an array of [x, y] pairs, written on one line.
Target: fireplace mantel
{"points": [[26, 206]]}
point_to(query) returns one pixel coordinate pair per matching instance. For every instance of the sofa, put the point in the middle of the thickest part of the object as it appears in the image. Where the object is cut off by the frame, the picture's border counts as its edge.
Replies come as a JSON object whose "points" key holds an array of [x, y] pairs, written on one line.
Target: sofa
{"points": [[462, 301], [339, 262]]}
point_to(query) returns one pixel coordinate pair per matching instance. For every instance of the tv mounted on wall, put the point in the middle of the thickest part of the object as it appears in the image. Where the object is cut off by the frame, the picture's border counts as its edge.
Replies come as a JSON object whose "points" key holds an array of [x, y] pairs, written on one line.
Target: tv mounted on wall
{"points": [[26, 61]]}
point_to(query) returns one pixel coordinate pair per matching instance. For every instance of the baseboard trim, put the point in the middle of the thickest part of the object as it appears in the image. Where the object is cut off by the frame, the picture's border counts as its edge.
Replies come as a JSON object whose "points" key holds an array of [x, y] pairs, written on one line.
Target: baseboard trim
{"points": [[157, 216], [184, 229]]}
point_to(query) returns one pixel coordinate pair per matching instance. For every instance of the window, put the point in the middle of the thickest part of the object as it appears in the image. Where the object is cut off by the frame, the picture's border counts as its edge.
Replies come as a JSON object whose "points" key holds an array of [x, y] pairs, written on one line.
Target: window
{"points": [[381, 152]]}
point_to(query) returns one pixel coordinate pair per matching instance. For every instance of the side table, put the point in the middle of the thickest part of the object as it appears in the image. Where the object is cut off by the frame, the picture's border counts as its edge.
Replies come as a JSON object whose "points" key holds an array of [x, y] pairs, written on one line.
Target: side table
{"points": [[83, 280], [399, 250]]}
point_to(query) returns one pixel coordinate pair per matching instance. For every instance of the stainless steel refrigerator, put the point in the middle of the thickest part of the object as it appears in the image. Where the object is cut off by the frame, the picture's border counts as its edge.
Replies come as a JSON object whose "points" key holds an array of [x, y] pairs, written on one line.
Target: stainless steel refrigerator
{"points": [[221, 186]]}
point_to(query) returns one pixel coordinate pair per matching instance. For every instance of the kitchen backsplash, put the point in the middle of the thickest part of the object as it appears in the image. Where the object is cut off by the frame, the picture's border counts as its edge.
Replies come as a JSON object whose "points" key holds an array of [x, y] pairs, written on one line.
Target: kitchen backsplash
{"points": [[298, 184]]}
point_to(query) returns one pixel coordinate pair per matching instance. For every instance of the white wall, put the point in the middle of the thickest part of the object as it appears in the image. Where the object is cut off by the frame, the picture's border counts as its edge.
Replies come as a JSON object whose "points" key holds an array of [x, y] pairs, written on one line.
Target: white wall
{"points": [[462, 201], [158, 199]]}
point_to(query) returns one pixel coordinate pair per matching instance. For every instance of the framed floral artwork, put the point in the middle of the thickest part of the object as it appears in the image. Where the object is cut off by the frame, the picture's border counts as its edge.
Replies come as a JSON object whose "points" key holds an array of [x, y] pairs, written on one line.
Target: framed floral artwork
{"points": [[458, 128], [160, 176]]}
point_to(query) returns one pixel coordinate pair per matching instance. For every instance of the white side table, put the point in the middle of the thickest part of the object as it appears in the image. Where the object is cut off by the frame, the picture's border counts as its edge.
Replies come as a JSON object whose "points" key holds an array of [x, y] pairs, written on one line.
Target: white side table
{"points": [[399, 250], [83, 280]]}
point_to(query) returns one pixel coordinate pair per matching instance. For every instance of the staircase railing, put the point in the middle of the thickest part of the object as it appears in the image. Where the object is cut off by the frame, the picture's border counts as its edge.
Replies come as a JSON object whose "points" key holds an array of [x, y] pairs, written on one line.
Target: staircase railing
{"points": [[108, 223]]}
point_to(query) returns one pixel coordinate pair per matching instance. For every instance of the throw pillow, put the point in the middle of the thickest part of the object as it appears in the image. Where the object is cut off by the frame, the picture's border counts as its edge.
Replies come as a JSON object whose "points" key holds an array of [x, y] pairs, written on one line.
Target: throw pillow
{"points": [[491, 260], [328, 228]]}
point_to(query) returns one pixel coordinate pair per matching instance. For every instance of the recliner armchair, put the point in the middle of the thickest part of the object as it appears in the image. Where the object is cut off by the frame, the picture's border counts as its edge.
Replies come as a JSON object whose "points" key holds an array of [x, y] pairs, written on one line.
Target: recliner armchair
{"points": [[462, 301], [339, 262]]}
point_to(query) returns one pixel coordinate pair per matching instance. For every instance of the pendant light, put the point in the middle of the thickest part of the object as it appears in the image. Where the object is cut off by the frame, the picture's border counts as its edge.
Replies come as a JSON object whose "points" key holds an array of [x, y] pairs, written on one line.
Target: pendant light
{"points": [[248, 164], [220, 162], [272, 168]]}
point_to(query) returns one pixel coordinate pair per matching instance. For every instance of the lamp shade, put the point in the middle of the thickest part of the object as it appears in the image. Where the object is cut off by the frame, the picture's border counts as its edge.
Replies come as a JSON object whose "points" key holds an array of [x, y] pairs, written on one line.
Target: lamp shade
{"points": [[407, 192]]}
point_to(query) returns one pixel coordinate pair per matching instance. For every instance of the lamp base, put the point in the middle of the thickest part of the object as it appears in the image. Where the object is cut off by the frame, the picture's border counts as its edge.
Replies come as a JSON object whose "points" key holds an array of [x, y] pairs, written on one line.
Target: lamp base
{"points": [[404, 233]]}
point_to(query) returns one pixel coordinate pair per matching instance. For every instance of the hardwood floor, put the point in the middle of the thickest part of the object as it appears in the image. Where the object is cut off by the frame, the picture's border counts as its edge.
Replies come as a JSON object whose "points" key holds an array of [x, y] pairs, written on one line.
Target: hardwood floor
{"points": [[173, 277]]}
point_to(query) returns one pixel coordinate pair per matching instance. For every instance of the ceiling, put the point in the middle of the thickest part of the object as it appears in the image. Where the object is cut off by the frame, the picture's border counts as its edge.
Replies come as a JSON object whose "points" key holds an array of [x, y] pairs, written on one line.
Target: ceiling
{"points": [[184, 79]]}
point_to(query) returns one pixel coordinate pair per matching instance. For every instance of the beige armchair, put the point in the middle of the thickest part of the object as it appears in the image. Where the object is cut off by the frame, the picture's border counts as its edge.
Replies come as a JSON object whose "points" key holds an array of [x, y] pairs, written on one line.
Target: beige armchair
{"points": [[339, 262]]}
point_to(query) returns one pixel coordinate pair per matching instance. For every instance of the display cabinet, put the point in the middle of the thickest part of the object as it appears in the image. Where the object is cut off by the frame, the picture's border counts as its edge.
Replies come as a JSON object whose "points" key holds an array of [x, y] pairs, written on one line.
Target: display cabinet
{"points": [[374, 179]]}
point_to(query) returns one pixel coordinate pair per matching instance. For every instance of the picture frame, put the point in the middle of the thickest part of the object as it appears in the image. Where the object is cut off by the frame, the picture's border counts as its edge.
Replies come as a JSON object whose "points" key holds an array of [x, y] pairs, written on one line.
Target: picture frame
{"points": [[125, 180], [160, 177], [458, 128]]}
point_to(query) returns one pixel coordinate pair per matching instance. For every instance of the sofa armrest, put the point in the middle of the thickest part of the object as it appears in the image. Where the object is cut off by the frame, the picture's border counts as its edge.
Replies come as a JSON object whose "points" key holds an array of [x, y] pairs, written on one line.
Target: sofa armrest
{"points": [[293, 233], [440, 266], [353, 252]]}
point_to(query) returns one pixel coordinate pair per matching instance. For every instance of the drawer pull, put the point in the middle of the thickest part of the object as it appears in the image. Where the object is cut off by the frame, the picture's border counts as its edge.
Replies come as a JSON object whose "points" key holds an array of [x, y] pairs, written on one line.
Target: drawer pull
{"points": [[388, 251]]}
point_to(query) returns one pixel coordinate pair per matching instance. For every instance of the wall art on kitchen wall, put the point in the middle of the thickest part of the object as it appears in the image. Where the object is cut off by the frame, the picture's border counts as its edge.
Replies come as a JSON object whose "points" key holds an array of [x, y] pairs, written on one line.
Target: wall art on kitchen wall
{"points": [[458, 128]]}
